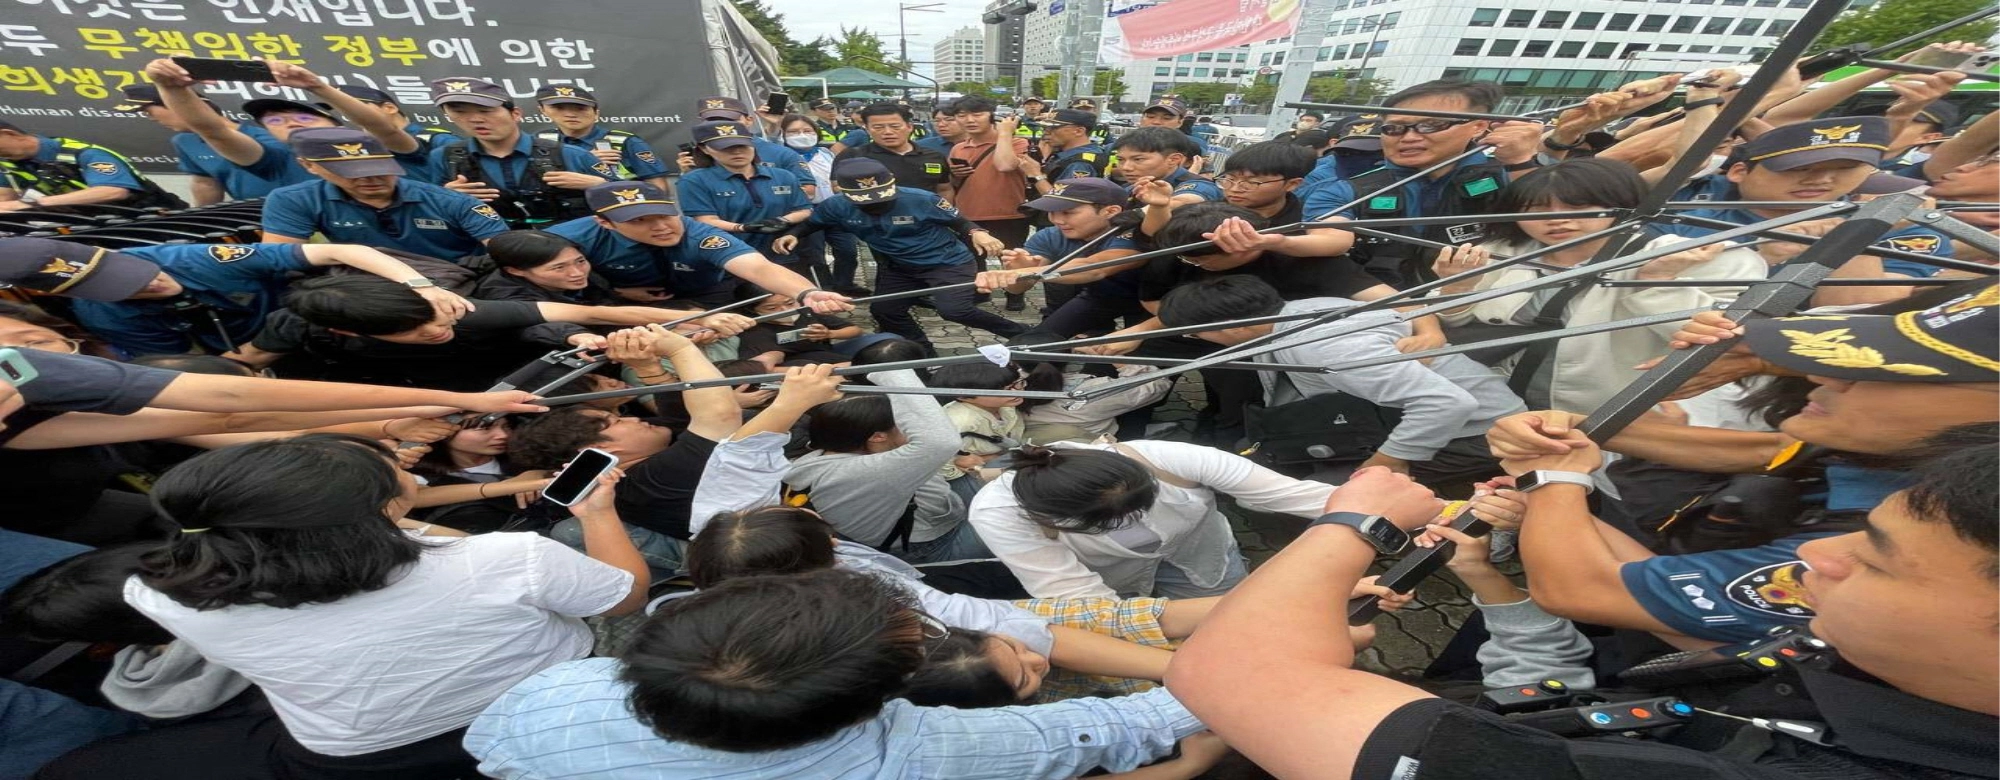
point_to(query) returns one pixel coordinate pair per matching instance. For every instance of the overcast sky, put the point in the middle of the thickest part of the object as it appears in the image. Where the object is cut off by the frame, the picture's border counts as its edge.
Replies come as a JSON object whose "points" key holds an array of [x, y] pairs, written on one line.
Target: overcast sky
{"points": [[809, 19]]}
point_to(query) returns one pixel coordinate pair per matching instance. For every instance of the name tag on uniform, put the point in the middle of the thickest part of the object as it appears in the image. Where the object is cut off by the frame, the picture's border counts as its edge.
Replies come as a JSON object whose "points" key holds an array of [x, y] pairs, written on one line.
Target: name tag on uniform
{"points": [[432, 224], [933, 168], [1465, 234], [724, 193], [782, 189], [683, 267], [902, 220]]}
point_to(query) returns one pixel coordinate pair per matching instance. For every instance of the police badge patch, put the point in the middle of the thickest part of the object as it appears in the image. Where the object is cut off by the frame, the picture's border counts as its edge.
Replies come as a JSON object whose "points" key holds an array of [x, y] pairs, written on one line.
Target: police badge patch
{"points": [[648, 157], [487, 212], [104, 168], [714, 242], [230, 253], [1772, 590], [1924, 245]]}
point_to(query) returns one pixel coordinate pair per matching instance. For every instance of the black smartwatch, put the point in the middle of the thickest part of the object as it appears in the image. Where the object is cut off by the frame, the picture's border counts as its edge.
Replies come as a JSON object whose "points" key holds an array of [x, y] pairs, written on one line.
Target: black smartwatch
{"points": [[1387, 538]]}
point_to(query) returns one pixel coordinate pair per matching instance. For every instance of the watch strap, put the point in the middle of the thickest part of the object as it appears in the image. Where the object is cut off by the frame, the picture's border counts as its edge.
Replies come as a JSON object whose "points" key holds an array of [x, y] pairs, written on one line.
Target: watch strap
{"points": [[418, 283], [1540, 478]]}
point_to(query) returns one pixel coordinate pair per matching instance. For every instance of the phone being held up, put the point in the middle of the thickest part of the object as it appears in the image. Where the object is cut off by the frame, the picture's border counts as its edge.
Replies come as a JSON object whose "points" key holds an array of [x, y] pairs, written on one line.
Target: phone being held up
{"points": [[208, 69], [579, 476], [776, 102]]}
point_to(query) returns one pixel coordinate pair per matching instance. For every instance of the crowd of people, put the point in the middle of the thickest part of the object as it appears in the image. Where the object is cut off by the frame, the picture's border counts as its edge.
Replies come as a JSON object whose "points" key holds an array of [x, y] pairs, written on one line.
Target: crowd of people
{"points": [[276, 509]]}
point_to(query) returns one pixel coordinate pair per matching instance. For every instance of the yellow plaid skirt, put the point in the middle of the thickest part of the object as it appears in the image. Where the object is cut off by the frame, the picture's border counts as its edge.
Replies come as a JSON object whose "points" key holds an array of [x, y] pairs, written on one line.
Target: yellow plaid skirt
{"points": [[1133, 620]]}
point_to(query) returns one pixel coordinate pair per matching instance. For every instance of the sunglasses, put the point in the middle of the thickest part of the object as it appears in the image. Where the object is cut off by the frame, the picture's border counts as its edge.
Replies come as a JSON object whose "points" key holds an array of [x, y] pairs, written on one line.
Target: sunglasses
{"points": [[1425, 127]]}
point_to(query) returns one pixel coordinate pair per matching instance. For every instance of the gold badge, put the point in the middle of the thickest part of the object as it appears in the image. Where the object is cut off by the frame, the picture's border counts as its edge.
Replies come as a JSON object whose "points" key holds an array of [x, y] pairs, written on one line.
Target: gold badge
{"points": [[944, 204], [104, 167], [725, 131], [485, 211], [1839, 134], [1365, 128], [648, 157], [1830, 348], [1990, 297], [60, 267], [714, 242], [229, 253], [627, 196], [714, 103], [1923, 245], [866, 183], [350, 150], [458, 86], [565, 92]]}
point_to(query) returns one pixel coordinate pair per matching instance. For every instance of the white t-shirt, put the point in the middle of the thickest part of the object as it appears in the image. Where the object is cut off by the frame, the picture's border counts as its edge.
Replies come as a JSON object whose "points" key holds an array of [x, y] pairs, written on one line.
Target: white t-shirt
{"points": [[413, 660]]}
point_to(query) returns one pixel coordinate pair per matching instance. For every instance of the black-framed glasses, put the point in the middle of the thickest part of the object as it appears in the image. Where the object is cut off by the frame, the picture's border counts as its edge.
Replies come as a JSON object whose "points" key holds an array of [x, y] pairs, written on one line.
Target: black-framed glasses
{"points": [[1233, 183], [1424, 127]]}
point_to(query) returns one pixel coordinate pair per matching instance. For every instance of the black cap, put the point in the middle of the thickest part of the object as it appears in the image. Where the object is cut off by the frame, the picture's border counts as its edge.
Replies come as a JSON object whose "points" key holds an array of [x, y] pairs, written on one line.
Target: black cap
{"points": [[1071, 116], [1940, 113], [824, 103], [138, 96], [1314, 139], [462, 89], [864, 180], [1954, 342], [720, 107], [75, 270], [1175, 106], [570, 94], [721, 135], [1362, 132], [1860, 138], [624, 201], [349, 154], [1070, 193], [262, 106], [1083, 103]]}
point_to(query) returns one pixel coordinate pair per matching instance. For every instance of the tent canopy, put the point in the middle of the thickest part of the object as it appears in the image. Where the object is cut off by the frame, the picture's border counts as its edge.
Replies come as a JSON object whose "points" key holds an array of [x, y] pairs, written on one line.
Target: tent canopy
{"points": [[851, 78]]}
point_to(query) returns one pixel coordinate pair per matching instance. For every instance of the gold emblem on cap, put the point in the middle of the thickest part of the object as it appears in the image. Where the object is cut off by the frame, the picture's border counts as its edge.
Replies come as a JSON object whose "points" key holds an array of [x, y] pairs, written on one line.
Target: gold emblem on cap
{"points": [[1365, 128], [866, 183], [61, 267], [628, 196], [1835, 133], [714, 103], [1989, 297], [1057, 189], [1830, 348], [725, 130], [350, 150], [458, 86], [565, 92]]}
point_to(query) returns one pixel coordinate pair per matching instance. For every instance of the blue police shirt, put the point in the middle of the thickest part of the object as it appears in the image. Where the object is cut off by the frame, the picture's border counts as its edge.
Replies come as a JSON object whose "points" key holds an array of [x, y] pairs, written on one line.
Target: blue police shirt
{"points": [[1739, 595], [859, 137], [1714, 186], [937, 142], [714, 191], [417, 165], [505, 173], [1324, 170], [1076, 163], [198, 158], [1049, 242], [779, 156], [693, 266], [1420, 198], [916, 230], [1915, 238], [98, 168], [241, 282], [425, 218], [1186, 182], [637, 157]]}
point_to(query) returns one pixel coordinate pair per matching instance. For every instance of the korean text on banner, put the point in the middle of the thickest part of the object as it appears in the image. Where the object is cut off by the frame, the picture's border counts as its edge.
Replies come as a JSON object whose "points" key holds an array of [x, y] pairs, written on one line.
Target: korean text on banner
{"points": [[1187, 26]]}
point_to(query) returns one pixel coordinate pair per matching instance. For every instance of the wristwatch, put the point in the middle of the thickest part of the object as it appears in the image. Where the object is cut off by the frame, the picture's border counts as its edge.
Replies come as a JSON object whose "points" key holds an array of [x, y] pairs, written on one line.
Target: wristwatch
{"points": [[1536, 480], [1387, 538], [418, 283], [1033, 178]]}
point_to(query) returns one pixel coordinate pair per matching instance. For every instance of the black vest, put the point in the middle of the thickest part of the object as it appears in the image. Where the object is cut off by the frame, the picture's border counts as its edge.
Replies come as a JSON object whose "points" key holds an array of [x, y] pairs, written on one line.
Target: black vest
{"points": [[1469, 191], [531, 203], [65, 174]]}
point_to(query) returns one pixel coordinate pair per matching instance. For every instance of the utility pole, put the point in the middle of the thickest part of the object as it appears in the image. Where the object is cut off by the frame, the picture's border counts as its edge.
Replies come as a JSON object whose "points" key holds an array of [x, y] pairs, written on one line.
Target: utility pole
{"points": [[1313, 19]]}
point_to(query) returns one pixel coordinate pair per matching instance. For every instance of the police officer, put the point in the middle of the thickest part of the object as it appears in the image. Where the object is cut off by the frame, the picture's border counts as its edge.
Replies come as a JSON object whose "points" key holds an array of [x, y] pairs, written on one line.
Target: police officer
{"points": [[68, 172], [638, 240], [1172, 112], [209, 297], [264, 154], [1356, 149], [919, 241], [1079, 209], [389, 127], [734, 193], [827, 120], [530, 182], [1069, 151], [1102, 134], [729, 109], [416, 162], [363, 197], [214, 179], [1412, 143], [1030, 126], [575, 111]]}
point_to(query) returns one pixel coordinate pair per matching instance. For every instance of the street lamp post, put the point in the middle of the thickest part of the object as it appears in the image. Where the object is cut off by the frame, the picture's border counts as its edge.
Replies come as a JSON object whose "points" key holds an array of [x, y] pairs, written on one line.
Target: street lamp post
{"points": [[903, 34]]}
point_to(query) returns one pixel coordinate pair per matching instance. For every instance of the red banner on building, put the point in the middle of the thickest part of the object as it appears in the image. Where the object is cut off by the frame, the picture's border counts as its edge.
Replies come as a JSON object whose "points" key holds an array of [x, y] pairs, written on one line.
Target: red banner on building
{"points": [[1186, 26]]}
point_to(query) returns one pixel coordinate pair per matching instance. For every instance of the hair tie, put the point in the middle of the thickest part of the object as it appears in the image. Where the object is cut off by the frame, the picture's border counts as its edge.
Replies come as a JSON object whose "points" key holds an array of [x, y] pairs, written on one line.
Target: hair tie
{"points": [[194, 530]]}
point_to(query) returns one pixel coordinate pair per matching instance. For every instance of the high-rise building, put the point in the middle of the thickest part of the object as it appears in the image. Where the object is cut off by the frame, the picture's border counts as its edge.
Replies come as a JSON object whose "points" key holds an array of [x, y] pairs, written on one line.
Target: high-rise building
{"points": [[1006, 34], [960, 56]]}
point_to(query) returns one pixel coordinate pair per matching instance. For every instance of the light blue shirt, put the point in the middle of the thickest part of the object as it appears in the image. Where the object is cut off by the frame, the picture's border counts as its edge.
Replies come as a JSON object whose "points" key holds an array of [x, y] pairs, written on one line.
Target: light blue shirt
{"points": [[572, 721]]}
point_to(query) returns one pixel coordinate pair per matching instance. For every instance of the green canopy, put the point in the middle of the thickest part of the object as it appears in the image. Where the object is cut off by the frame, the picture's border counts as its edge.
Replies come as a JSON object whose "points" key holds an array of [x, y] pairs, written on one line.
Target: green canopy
{"points": [[858, 94], [850, 78]]}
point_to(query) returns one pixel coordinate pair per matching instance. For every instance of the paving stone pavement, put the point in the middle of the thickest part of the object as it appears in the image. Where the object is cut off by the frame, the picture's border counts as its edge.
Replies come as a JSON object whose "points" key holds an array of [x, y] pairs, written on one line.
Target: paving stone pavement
{"points": [[1405, 641]]}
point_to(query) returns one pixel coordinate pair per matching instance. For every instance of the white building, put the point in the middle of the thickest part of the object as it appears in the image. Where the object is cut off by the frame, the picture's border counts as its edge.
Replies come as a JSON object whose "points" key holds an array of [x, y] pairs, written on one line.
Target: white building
{"points": [[960, 56]]}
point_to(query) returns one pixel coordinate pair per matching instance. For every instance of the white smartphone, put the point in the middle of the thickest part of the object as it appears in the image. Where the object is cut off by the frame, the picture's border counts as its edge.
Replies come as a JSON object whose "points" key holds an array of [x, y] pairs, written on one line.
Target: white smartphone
{"points": [[579, 477], [789, 336]]}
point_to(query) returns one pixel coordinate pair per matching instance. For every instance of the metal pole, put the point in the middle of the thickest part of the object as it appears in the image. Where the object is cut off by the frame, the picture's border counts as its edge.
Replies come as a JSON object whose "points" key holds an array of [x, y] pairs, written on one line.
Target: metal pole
{"points": [[1963, 20], [1352, 107]]}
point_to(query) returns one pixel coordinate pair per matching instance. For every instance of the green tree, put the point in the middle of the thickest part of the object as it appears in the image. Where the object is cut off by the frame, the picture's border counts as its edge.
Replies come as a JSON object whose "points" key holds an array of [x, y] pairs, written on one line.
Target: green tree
{"points": [[1048, 86], [972, 89], [1343, 89], [794, 58], [1890, 20], [1260, 94], [860, 47], [1200, 95]]}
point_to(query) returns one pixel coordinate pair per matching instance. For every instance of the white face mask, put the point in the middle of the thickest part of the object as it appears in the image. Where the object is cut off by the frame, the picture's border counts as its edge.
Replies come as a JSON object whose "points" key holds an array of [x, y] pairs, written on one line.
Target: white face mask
{"points": [[1715, 162], [801, 140]]}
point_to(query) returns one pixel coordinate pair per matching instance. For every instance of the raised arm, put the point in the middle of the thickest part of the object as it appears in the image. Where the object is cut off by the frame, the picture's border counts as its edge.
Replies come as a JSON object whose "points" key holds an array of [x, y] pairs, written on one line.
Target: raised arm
{"points": [[371, 121], [177, 92]]}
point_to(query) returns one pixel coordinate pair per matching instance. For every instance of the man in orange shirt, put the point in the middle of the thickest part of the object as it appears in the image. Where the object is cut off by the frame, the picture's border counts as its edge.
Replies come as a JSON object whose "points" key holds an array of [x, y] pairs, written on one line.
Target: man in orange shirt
{"points": [[992, 177]]}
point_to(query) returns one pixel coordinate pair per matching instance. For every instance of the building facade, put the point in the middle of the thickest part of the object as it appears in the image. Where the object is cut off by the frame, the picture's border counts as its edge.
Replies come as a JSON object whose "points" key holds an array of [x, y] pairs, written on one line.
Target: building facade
{"points": [[960, 56]]}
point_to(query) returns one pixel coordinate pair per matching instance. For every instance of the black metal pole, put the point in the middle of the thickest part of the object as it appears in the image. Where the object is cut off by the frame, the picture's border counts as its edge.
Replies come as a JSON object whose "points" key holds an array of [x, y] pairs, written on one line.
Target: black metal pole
{"points": [[1414, 112], [1875, 250], [1905, 41]]}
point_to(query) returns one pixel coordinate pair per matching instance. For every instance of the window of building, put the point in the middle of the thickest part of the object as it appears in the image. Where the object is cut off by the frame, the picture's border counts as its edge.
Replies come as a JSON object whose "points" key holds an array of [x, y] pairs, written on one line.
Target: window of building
{"points": [[1554, 20], [1685, 24], [1339, 5], [1716, 25], [1570, 49], [1324, 53], [1668, 47], [1765, 3], [1469, 47], [1735, 2], [1631, 48], [1180, 71], [1519, 18], [1536, 49], [1699, 49], [1516, 77], [1162, 71], [1380, 48], [1389, 19], [1340, 52], [1485, 17], [1587, 21], [1278, 58], [1653, 23], [1621, 22], [1747, 26], [1201, 72], [1730, 50], [1184, 58], [1778, 27], [1602, 50], [1503, 47], [1264, 59], [1204, 56]]}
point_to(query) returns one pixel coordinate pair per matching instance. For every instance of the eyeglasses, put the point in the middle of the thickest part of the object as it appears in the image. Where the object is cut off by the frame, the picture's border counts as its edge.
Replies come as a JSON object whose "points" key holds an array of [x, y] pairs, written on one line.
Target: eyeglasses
{"points": [[935, 632], [292, 116], [1233, 183], [1425, 127], [67, 346]]}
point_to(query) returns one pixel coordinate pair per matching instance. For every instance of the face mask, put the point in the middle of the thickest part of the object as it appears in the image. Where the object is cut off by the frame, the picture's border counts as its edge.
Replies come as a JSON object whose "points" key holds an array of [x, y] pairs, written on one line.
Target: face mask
{"points": [[878, 208], [1714, 166], [801, 140], [1916, 157]]}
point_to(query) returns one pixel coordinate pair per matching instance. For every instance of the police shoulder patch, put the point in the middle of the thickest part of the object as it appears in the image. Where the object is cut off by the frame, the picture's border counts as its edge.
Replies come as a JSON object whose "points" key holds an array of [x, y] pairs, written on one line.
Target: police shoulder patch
{"points": [[230, 253], [1773, 590], [486, 211], [714, 242], [648, 157], [946, 205], [104, 167], [603, 168], [1924, 245], [1188, 187]]}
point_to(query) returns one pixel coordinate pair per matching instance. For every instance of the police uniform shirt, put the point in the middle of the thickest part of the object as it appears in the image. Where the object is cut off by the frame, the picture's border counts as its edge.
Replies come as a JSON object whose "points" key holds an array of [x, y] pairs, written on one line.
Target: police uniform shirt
{"points": [[489, 343], [1083, 161], [426, 219], [97, 168], [1418, 198], [1187, 183], [417, 163], [505, 173], [241, 282], [1714, 186], [693, 266], [918, 229], [638, 157], [716, 192], [198, 158], [1913, 238], [1050, 243], [855, 137], [937, 142], [922, 168]]}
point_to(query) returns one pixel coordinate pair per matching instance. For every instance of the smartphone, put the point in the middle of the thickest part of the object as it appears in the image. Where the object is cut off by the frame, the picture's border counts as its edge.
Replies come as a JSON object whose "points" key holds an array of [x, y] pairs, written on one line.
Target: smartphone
{"points": [[789, 336], [776, 102], [1967, 62], [687, 148], [579, 477], [205, 69], [604, 146], [15, 368]]}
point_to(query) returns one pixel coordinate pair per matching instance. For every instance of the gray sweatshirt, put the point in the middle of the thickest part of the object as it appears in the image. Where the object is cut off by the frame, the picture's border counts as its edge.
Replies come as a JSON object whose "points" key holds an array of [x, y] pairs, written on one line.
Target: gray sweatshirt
{"points": [[1452, 398], [168, 681], [863, 494], [1529, 645]]}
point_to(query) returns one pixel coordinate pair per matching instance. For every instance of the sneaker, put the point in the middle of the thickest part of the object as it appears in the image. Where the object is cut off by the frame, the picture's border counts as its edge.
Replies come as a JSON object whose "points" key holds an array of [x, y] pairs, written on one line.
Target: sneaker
{"points": [[1017, 302]]}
